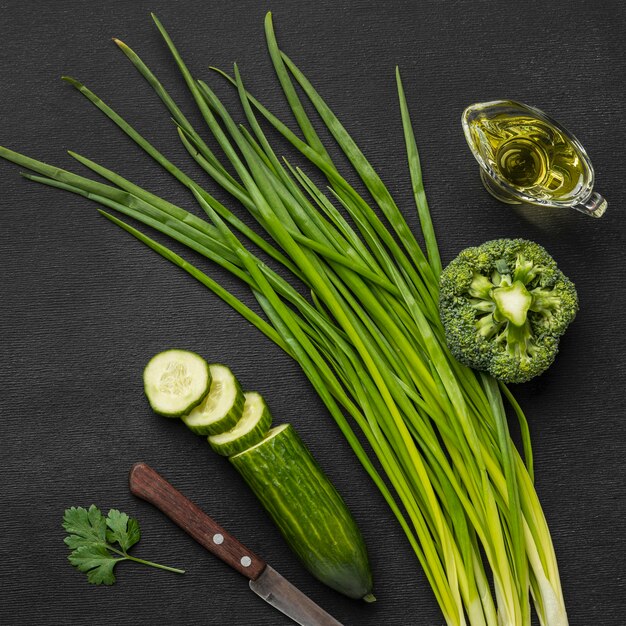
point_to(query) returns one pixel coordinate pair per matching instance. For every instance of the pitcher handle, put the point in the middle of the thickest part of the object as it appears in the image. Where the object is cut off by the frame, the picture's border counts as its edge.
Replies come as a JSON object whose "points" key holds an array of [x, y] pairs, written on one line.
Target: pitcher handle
{"points": [[595, 205]]}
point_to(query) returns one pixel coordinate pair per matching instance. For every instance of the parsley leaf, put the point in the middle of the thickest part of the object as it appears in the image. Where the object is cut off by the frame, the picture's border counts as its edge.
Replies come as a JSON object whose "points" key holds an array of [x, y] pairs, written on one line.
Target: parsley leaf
{"points": [[92, 540], [86, 527], [122, 529], [97, 562]]}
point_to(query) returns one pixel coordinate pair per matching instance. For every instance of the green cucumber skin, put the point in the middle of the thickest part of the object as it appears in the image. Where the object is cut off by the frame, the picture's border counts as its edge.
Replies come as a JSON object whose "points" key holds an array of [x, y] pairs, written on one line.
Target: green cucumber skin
{"points": [[309, 512], [248, 439], [227, 422]]}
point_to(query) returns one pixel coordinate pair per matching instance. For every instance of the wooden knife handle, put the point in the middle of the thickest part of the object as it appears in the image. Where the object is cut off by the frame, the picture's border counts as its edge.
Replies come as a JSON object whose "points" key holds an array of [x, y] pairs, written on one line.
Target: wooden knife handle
{"points": [[150, 486]]}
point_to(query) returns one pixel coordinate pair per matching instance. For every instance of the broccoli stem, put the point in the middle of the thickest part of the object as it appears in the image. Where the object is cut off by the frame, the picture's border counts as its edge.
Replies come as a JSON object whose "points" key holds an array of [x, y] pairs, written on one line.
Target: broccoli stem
{"points": [[519, 341], [480, 287], [513, 302], [544, 300]]}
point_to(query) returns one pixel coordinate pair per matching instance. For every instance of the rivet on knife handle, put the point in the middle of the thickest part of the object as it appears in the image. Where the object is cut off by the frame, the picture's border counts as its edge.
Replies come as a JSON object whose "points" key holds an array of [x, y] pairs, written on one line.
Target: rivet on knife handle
{"points": [[150, 486]]}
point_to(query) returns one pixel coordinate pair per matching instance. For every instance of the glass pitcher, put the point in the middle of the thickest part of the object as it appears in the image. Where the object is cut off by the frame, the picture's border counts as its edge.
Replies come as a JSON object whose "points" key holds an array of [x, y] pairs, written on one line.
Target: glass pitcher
{"points": [[527, 157]]}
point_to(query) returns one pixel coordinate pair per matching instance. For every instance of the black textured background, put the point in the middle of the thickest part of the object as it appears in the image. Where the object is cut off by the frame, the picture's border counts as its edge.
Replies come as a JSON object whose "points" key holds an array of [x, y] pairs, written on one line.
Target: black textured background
{"points": [[84, 306]]}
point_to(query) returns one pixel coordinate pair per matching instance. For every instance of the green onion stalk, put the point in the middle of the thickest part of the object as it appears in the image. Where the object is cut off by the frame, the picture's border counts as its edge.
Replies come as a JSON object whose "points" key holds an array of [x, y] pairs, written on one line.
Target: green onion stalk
{"points": [[344, 288]]}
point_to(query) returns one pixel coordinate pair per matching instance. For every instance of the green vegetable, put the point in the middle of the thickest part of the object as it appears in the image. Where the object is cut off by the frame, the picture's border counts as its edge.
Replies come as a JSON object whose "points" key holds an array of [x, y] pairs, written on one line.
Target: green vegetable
{"points": [[280, 470], [253, 425], [176, 381], [221, 408], [99, 543], [307, 509], [504, 306], [341, 284]]}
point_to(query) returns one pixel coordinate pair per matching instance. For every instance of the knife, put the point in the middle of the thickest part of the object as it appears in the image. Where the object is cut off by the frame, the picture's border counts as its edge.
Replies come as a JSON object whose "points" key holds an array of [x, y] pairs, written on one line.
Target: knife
{"points": [[266, 582]]}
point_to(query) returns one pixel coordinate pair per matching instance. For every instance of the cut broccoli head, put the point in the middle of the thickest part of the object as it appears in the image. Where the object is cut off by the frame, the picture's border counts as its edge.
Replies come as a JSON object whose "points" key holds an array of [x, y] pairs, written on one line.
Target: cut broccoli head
{"points": [[504, 305]]}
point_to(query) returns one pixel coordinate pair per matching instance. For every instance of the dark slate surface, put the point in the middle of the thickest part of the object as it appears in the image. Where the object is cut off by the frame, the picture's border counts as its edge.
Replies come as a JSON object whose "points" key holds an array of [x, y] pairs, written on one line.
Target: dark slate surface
{"points": [[83, 307]]}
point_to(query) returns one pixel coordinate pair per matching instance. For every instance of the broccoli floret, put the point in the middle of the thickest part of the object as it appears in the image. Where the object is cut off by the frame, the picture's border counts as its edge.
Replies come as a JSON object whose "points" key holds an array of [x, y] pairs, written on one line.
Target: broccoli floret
{"points": [[504, 305]]}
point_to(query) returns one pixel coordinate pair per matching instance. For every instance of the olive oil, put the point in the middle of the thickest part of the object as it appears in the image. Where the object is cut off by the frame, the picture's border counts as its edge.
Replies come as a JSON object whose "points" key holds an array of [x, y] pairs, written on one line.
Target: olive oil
{"points": [[530, 155], [526, 157]]}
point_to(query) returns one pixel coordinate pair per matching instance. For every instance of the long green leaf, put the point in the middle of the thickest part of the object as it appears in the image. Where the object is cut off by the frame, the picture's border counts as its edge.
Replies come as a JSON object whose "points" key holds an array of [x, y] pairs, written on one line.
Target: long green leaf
{"points": [[419, 194]]}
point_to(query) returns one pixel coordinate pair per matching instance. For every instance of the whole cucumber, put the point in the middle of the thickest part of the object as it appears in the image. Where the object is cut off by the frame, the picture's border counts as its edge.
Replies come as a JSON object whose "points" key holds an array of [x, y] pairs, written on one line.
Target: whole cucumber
{"points": [[308, 510]]}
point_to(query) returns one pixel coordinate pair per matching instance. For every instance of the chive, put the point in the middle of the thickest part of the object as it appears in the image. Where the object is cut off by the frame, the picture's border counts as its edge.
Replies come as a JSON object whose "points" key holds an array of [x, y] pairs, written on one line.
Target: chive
{"points": [[418, 186], [172, 107]]}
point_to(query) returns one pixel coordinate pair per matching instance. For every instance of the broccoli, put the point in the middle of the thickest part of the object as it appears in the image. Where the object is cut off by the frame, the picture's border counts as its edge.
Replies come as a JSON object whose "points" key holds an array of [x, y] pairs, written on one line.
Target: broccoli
{"points": [[504, 306]]}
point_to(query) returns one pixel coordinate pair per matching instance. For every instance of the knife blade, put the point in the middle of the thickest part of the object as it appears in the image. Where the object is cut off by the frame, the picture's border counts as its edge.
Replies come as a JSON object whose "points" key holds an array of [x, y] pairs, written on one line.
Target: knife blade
{"points": [[288, 599], [267, 583]]}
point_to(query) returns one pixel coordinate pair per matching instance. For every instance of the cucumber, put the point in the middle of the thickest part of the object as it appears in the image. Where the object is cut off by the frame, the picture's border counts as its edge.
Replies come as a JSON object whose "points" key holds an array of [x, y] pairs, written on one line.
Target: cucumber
{"points": [[308, 511], [221, 408], [255, 421], [175, 381]]}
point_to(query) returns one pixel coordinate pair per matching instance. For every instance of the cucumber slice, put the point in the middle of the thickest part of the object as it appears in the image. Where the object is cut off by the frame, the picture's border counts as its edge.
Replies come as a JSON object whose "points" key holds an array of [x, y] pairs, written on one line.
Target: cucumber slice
{"points": [[255, 421], [175, 381], [221, 409]]}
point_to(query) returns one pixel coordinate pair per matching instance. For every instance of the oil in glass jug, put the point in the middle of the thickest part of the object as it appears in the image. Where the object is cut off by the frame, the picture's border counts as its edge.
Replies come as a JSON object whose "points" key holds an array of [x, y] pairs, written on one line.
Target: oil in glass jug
{"points": [[527, 157]]}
